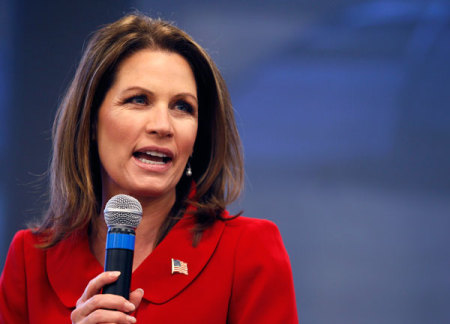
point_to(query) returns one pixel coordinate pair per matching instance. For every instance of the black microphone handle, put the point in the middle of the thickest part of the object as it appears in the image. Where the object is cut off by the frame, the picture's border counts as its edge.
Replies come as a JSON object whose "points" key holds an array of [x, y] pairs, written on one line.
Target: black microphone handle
{"points": [[119, 260]]}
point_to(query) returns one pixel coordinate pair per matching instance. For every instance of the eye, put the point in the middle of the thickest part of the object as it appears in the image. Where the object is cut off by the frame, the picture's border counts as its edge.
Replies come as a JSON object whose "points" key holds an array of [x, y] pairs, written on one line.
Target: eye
{"points": [[184, 106], [137, 100]]}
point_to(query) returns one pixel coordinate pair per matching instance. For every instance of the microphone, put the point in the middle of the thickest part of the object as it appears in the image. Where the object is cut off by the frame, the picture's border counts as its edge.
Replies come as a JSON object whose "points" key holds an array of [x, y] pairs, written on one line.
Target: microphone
{"points": [[123, 214]]}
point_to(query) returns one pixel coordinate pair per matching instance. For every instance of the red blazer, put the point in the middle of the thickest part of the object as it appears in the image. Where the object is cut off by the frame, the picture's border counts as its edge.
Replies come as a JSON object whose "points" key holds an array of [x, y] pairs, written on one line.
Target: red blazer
{"points": [[238, 273]]}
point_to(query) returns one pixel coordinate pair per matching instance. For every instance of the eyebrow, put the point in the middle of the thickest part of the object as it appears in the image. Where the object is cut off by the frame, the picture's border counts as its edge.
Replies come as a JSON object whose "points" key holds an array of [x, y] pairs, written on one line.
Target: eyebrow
{"points": [[181, 94], [187, 94]]}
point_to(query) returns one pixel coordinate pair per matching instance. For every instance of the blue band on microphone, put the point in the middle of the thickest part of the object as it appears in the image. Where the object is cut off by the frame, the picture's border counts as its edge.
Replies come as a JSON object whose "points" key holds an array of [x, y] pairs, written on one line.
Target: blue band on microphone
{"points": [[120, 241]]}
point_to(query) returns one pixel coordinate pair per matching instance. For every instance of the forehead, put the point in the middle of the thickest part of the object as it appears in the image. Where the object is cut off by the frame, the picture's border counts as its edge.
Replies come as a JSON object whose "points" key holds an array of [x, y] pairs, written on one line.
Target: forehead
{"points": [[148, 67]]}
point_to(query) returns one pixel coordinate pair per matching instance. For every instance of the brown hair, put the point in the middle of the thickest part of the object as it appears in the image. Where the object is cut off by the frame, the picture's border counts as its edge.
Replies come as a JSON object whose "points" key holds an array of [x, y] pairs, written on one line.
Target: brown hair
{"points": [[75, 186]]}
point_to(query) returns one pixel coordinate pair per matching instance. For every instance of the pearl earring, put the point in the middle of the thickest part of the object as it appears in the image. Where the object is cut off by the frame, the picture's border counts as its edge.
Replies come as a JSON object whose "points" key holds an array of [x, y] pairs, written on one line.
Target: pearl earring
{"points": [[188, 169]]}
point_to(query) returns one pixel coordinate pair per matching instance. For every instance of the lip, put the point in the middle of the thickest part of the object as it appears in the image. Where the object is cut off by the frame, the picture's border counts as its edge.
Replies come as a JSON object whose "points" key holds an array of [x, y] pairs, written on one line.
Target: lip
{"points": [[162, 150], [158, 168]]}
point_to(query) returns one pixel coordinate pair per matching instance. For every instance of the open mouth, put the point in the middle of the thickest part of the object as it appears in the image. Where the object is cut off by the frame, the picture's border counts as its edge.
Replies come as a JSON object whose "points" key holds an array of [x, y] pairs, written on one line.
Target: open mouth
{"points": [[152, 157]]}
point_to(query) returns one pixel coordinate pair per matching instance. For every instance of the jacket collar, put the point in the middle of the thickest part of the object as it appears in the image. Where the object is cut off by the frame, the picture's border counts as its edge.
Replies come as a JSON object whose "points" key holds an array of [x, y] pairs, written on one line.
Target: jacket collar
{"points": [[155, 276], [71, 264]]}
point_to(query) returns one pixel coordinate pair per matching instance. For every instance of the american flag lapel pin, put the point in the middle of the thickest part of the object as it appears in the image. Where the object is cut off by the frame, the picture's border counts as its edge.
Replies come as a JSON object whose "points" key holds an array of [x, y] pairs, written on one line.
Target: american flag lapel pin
{"points": [[179, 267]]}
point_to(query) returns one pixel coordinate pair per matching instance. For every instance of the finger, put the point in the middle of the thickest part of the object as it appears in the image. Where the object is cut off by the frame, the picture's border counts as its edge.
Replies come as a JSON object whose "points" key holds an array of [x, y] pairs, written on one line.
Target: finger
{"points": [[106, 302], [136, 297], [113, 302], [109, 316], [95, 285]]}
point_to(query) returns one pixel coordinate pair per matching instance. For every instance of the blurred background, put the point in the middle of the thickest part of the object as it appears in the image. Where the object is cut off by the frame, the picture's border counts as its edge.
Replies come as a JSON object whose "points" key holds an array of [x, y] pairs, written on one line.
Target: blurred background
{"points": [[343, 109]]}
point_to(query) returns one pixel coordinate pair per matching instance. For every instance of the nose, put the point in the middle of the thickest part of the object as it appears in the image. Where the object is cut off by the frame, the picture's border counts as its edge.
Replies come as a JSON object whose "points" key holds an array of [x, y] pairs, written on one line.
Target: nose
{"points": [[159, 121]]}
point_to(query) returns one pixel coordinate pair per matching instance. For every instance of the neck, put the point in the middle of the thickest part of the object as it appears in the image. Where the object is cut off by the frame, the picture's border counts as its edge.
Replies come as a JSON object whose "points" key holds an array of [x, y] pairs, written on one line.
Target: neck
{"points": [[154, 214]]}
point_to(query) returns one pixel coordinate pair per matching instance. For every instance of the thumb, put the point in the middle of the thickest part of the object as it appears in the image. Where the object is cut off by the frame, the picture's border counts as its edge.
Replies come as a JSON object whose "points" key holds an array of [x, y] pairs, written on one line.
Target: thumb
{"points": [[136, 296]]}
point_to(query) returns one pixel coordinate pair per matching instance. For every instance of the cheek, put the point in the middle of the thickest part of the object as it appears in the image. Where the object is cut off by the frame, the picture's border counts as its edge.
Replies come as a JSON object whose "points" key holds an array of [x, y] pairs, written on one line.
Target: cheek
{"points": [[110, 132], [188, 140]]}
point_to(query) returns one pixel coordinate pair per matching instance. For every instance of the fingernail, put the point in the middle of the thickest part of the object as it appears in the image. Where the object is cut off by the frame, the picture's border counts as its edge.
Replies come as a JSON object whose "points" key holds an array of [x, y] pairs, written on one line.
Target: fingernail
{"points": [[114, 274], [130, 307], [131, 319], [141, 290]]}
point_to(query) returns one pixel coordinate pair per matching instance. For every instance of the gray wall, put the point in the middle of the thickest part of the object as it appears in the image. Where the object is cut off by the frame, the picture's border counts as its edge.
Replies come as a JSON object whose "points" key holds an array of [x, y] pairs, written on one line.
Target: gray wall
{"points": [[343, 111]]}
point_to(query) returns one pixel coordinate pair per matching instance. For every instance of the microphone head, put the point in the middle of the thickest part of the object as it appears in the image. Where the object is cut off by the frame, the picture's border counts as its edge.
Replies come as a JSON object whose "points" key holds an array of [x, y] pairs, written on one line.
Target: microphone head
{"points": [[123, 210]]}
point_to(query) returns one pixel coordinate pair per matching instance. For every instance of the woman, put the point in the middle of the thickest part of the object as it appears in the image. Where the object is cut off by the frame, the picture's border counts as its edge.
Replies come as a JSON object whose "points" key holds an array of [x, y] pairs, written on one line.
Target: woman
{"points": [[147, 114]]}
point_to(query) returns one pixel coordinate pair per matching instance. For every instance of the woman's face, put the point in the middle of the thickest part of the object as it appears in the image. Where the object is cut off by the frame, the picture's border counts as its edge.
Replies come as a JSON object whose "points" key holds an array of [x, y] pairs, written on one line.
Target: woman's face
{"points": [[147, 125]]}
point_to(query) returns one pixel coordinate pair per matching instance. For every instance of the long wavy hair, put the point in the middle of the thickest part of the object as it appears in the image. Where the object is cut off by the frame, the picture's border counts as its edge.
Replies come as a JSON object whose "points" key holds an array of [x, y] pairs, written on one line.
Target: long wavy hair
{"points": [[75, 180]]}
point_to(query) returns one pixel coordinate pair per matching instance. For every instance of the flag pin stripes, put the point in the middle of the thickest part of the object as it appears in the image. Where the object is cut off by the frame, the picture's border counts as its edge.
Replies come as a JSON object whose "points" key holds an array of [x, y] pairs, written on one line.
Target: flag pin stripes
{"points": [[179, 267]]}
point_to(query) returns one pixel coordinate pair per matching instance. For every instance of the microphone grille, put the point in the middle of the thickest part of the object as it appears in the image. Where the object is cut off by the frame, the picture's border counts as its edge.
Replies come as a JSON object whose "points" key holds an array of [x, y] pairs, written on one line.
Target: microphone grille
{"points": [[123, 210]]}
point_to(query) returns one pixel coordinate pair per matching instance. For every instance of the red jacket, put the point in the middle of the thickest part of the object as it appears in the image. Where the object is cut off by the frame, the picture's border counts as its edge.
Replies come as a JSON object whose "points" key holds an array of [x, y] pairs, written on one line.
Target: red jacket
{"points": [[238, 273]]}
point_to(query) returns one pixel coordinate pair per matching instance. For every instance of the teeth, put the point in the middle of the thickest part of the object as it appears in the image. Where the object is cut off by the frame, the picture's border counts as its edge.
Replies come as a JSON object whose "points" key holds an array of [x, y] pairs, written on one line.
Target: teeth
{"points": [[158, 154], [151, 162]]}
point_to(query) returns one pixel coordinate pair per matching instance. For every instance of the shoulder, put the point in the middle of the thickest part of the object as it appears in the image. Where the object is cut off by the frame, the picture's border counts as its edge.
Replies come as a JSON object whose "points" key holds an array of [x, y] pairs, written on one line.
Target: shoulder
{"points": [[243, 222], [25, 239], [22, 246], [259, 238], [261, 270], [24, 249], [253, 227]]}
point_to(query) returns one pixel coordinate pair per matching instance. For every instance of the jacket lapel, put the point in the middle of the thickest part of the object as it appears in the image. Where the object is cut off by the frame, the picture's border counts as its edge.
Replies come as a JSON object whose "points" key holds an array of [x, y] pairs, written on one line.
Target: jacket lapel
{"points": [[155, 276], [70, 267]]}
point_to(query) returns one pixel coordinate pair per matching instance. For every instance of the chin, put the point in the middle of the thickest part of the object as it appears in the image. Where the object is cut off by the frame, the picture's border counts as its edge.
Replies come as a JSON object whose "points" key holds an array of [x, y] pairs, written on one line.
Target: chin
{"points": [[151, 192]]}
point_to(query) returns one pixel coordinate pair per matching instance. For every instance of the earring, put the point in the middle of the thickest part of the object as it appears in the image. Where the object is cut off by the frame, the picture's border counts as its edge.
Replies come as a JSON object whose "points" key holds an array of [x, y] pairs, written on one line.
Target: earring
{"points": [[188, 169]]}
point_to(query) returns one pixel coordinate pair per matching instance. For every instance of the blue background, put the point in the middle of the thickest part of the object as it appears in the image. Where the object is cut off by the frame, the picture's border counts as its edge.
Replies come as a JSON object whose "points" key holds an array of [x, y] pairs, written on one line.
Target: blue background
{"points": [[343, 109]]}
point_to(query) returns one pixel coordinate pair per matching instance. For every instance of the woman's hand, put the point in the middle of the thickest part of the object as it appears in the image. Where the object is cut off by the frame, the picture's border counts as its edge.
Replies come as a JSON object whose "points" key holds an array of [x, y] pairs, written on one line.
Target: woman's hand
{"points": [[93, 307]]}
